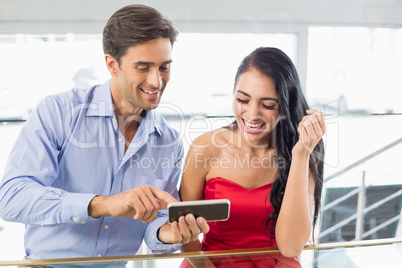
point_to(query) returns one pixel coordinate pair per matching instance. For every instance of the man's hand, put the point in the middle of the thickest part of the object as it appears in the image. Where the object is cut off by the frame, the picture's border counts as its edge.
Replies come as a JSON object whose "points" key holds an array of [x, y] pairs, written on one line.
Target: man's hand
{"points": [[140, 203], [187, 229]]}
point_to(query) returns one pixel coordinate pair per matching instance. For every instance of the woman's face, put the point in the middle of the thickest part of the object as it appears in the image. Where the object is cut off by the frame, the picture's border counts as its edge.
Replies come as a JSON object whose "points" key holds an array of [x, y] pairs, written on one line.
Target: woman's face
{"points": [[255, 106]]}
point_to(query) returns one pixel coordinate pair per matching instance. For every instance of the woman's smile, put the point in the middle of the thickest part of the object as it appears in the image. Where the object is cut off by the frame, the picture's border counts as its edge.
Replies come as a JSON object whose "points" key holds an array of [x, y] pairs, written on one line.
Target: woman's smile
{"points": [[252, 127]]}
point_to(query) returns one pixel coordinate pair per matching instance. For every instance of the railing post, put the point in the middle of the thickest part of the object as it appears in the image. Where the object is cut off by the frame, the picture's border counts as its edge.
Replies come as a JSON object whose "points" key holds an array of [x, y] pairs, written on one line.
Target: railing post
{"points": [[361, 204]]}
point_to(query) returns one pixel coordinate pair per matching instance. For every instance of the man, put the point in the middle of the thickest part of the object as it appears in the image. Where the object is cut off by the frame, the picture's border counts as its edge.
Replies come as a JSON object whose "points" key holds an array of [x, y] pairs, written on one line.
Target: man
{"points": [[80, 176]]}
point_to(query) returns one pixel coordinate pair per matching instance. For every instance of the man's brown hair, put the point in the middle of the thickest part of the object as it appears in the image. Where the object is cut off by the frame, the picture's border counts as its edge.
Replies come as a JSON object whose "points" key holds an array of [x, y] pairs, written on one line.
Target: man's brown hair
{"points": [[133, 25]]}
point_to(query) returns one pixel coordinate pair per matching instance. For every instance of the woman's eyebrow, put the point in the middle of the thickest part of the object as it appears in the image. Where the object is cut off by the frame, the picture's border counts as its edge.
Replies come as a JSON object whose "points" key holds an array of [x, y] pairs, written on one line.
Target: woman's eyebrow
{"points": [[266, 98], [244, 93]]}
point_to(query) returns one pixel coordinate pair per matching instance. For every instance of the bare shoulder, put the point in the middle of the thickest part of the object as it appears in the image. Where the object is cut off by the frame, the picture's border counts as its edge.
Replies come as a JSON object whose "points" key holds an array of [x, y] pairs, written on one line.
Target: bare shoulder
{"points": [[212, 142]]}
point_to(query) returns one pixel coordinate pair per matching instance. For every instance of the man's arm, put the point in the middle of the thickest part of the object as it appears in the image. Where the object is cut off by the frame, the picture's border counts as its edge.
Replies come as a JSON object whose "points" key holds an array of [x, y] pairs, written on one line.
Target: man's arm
{"points": [[25, 192]]}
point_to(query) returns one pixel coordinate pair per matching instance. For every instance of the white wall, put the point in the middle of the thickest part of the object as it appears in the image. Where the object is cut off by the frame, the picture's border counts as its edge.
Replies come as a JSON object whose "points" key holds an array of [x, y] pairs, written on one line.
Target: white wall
{"points": [[195, 15], [286, 16]]}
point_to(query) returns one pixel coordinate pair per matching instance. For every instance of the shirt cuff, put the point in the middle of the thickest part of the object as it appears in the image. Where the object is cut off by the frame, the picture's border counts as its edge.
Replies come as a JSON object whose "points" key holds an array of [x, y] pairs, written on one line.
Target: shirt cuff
{"points": [[152, 240], [75, 208]]}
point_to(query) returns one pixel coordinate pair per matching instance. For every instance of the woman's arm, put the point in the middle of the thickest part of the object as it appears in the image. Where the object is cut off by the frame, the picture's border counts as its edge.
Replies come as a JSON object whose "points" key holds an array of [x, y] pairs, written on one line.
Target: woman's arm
{"points": [[195, 170], [294, 224], [293, 227], [193, 179], [192, 185]]}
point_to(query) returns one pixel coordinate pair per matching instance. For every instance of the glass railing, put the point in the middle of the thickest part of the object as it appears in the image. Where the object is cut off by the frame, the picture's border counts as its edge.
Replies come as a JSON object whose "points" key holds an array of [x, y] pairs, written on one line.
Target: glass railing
{"points": [[372, 253], [342, 209]]}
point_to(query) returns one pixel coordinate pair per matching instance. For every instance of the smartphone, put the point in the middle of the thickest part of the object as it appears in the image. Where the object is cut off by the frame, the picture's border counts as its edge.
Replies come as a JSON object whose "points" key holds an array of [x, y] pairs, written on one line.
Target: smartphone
{"points": [[210, 210]]}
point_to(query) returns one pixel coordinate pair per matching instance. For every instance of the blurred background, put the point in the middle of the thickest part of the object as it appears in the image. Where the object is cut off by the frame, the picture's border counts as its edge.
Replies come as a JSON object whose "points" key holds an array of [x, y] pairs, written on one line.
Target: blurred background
{"points": [[348, 55]]}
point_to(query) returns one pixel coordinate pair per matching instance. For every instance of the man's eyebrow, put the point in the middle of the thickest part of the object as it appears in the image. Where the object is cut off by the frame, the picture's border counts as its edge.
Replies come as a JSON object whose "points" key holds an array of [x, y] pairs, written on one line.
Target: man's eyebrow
{"points": [[151, 63], [267, 98]]}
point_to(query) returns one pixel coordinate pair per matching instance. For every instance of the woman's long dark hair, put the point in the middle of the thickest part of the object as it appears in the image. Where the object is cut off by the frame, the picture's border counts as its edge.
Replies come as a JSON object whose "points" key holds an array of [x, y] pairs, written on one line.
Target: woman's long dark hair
{"points": [[275, 64]]}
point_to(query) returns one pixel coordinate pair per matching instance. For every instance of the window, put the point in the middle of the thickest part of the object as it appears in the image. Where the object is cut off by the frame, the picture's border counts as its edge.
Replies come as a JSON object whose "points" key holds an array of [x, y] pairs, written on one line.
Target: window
{"points": [[35, 65], [357, 66], [38, 65]]}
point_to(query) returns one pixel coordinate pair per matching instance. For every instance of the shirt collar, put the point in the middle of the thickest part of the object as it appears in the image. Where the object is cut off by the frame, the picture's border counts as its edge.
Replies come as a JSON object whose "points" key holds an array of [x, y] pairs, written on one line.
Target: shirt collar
{"points": [[151, 119], [102, 105]]}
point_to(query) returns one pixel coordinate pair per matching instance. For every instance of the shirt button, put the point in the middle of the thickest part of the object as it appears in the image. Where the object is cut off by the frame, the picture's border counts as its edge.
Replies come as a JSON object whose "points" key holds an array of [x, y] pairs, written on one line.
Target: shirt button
{"points": [[75, 219], [100, 255], [120, 139], [106, 227]]}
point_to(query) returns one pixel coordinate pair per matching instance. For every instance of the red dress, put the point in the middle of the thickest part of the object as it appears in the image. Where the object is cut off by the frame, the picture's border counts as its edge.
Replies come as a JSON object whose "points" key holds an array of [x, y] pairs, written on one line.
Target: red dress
{"points": [[245, 228]]}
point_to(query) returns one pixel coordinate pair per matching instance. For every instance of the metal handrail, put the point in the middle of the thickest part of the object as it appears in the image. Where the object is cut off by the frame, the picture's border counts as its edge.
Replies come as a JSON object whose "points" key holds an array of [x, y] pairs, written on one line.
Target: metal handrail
{"points": [[357, 191], [354, 216], [352, 193], [362, 160], [196, 254], [382, 225]]}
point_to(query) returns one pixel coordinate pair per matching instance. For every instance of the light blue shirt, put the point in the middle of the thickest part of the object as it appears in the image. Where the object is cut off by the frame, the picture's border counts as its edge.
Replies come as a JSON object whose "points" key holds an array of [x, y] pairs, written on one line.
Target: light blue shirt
{"points": [[70, 150]]}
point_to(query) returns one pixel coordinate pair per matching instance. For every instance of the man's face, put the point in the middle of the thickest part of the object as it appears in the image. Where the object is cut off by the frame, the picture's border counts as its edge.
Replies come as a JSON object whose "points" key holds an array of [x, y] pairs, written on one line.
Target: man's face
{"points": [[143, 74]]}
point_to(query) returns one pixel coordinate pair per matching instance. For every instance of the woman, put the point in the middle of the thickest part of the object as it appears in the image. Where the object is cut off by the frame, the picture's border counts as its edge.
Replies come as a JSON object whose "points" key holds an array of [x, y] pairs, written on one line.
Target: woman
{"points": [[268, 163]]}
